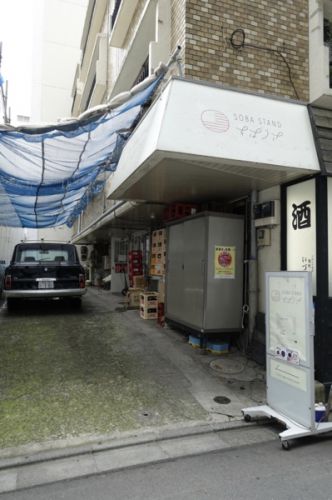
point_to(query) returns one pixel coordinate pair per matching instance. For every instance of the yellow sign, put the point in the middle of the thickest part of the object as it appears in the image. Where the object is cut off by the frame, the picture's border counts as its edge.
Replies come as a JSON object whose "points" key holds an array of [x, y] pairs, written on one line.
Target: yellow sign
{"points": [[224, 262]]}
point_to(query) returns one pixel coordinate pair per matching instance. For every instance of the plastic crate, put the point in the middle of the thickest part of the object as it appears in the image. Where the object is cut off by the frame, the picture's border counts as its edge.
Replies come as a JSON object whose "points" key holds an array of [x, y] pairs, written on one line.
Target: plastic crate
{"points": [[149, 299], [135, 256], [149, 312], [138, 281], [159, 235], [120, 268], [133, 296], [179, 210], [157, 269]]}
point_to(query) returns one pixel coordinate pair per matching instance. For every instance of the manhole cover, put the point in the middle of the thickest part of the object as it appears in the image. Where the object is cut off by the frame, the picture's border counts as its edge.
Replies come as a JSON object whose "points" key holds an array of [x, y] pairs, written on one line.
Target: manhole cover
{"points": [[221, 400], [228, 366], [236, 369]]}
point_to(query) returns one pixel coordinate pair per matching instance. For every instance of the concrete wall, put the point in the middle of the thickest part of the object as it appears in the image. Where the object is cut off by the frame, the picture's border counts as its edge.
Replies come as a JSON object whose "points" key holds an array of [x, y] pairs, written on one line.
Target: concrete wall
{"points": [[9, 237], [60, 233], [57, 30], [318, 52]]}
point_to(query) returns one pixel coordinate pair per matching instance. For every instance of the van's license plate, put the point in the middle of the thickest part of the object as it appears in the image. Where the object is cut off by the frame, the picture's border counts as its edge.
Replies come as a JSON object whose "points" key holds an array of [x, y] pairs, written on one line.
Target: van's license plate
{"points": [[45, 284]]}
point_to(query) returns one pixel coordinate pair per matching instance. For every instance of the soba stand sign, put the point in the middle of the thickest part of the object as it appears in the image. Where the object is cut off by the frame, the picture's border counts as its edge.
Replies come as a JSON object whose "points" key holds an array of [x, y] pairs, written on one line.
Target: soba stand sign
{"points": [[290, 358]]}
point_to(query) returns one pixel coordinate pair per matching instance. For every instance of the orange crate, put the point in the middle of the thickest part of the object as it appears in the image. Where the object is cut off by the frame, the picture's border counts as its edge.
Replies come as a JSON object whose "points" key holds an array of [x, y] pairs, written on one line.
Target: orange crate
{"points": [[157, 269]]}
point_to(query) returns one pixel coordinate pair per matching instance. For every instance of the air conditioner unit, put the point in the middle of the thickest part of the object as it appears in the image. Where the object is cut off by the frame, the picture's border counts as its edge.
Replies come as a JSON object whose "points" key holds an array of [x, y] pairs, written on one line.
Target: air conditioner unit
{"points": [[267, 213]]}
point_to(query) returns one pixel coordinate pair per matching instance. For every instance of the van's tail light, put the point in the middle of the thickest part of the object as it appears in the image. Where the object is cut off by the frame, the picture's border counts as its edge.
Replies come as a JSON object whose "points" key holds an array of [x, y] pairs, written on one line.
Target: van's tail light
{"points": [[8, 282], [81, 279]]}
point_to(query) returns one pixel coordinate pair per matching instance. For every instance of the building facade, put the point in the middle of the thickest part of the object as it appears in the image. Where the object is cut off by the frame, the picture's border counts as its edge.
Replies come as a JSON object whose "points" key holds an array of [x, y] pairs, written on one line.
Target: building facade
{"points": [[51, 55], [241, 123]]}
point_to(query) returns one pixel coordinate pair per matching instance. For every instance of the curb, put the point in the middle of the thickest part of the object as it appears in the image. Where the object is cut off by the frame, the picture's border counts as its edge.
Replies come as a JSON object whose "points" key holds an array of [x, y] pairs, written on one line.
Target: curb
{"points": [[51, 466]]}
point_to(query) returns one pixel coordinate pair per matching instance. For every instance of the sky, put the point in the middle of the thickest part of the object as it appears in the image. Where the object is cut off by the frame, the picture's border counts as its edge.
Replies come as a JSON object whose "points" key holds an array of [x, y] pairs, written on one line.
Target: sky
{"points": [[16, 34]]}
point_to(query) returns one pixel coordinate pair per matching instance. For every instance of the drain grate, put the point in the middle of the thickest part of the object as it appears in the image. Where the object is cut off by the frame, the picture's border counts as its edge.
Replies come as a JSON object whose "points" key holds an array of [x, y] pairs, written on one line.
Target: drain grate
{"points": [[221, 400]]}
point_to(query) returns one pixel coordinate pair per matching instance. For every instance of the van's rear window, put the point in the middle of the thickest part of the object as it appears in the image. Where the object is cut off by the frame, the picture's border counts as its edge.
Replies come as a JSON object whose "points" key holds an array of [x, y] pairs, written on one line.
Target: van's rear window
{"points": [[41, 252]]}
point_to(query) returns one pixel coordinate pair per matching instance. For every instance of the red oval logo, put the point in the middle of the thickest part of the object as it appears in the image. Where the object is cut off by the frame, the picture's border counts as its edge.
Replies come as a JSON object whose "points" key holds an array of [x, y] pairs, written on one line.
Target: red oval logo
{"points": [[224, 259], [214, 120]]}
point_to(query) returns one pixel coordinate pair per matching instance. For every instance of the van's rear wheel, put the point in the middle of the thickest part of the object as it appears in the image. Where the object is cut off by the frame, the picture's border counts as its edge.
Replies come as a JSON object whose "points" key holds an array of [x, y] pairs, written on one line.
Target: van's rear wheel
{"points": [[12, 304], [76, 303]]}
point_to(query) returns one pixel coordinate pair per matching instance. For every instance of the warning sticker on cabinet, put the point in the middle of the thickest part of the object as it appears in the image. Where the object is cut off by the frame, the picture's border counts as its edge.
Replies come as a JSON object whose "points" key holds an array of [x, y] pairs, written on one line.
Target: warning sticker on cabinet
{"points": [[224, 262]]}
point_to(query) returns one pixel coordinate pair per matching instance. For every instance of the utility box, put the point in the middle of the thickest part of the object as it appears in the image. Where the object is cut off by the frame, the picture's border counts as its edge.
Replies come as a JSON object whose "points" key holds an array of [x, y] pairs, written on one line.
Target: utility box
{"points": [[204, 280]]}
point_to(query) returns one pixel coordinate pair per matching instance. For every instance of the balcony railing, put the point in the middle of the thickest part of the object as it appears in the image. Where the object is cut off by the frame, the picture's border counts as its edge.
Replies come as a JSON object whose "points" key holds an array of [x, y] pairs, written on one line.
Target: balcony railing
{"points": [[327, 33], [143, 73], [115, 12]]}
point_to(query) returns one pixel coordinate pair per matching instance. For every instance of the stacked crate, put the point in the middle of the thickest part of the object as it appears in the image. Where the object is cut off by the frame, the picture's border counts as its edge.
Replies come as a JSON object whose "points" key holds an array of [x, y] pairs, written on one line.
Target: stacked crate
{"points": [[179, 210], [139, 282], [158, 253], [135, 265], [149, 305], [133, 297]]}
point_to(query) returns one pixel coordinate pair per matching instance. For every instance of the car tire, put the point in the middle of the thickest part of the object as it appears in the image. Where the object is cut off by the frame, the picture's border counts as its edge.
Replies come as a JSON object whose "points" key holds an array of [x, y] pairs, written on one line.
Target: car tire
{"points": [[77, 303], [12, 304]]}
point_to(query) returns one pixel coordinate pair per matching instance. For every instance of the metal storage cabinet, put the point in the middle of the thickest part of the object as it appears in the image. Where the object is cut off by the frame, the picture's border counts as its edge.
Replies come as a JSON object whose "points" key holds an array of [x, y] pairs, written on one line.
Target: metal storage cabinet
{"points": [[195, 297]]}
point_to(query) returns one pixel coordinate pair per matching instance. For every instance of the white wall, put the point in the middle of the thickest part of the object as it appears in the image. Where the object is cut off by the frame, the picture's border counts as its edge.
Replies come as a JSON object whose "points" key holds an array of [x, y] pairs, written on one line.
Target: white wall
{"points": [[58, 27], [60, 233], [319, 79], [9, 237]]}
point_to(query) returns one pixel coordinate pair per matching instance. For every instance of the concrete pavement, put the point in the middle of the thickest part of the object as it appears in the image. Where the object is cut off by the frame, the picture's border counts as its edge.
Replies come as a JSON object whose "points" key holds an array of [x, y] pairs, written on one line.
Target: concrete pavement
{"points": [[114, 454], [100, 390]]}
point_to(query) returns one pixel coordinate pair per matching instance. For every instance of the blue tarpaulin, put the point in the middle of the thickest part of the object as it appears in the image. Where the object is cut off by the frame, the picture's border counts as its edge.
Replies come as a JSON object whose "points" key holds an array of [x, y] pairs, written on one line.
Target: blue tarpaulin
{"points": [[49, 174]]}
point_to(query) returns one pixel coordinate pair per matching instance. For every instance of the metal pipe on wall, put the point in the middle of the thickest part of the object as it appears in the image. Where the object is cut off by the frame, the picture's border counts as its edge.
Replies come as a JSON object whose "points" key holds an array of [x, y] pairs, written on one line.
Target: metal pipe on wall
{"points": [[253, 280]]}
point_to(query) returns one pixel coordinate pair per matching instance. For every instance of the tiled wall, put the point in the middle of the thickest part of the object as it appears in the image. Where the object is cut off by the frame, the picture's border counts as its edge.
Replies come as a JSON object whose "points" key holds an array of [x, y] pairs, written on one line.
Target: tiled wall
{"points": [[269, 24]]}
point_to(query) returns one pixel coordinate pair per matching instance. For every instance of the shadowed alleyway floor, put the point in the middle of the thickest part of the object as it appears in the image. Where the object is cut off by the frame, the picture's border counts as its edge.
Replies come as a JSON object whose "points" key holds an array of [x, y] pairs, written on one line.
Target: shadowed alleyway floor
{"points": [[77, 375]]}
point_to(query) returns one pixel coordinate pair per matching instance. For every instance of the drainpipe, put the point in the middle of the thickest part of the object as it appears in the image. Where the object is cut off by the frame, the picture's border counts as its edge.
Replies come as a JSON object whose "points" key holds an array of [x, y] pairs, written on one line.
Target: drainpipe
{"points": [[252, 291]]}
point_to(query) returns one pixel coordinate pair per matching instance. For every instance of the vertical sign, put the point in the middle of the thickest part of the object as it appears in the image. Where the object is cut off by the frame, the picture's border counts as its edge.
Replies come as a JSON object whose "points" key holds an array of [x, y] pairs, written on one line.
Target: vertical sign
{"points": [[301, 228]]}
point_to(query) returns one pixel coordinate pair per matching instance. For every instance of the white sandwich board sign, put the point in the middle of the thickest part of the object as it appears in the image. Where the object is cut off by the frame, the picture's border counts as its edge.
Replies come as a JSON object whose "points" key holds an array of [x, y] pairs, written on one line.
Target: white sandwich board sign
{"points": [[290, 356]]}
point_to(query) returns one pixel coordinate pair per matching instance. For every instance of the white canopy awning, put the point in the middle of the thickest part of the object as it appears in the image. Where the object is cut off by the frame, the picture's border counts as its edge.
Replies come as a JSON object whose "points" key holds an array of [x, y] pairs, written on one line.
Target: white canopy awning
{"points": [[204, 142]]}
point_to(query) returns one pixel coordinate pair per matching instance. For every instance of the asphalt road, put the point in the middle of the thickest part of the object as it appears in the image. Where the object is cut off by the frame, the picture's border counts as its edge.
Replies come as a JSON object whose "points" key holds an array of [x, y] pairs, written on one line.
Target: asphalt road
{"points": [[260, 472]]}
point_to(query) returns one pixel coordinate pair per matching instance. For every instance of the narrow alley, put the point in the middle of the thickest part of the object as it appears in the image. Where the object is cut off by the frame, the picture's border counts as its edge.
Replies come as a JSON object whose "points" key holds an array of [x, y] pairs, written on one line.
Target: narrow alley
{"points": [[77, 376]]}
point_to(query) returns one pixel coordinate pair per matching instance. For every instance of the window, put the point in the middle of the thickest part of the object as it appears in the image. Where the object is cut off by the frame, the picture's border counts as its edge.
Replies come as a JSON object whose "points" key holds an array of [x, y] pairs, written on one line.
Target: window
{"points": [[36, 253]]}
